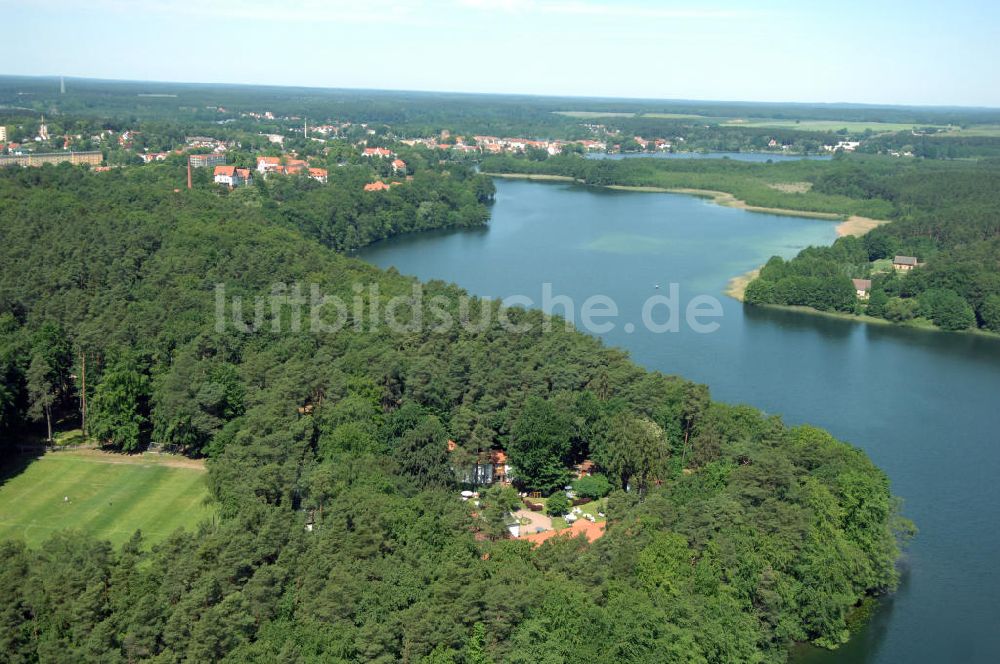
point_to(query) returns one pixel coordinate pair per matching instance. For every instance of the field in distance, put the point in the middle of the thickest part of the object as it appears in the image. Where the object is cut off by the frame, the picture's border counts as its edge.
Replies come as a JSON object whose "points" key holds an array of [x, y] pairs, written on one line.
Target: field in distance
{"points": [[826, 125], [110, 496], [852, 126]]}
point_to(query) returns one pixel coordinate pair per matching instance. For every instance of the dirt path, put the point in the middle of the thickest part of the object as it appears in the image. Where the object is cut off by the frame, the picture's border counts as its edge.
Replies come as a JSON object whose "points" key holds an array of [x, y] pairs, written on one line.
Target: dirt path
{"points": [[536, 521]]}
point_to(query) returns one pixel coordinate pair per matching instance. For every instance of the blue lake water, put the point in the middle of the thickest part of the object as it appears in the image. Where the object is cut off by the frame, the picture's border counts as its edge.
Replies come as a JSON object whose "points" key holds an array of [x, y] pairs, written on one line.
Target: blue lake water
{"points": [[925, 406]]}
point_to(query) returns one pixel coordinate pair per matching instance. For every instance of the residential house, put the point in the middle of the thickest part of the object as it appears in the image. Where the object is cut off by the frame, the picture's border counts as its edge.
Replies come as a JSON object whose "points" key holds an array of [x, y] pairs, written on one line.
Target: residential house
{"points": [[376, 186], [862, 287], [268, 164], [593, 145], [490, 468], [153, 156], [318, 174], [202, 141], [377, 152], [904, 263], [398, 166], [295, 166], [589, 529], [231, 176]]}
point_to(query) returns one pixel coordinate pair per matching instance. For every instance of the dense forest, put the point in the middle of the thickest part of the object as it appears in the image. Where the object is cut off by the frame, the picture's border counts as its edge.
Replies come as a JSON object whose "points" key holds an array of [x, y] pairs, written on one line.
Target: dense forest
{"points": [[943, 213], [730, 535], [946, 217]]}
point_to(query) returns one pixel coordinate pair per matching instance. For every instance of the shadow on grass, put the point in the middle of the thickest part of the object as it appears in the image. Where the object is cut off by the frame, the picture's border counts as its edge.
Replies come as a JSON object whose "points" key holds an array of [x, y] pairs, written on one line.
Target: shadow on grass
{"points": [[14, 459]]}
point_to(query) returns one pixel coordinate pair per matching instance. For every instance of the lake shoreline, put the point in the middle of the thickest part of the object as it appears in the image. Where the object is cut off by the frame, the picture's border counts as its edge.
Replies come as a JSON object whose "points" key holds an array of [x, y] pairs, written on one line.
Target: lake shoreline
{"points": [[849, 224], [736, 287]]}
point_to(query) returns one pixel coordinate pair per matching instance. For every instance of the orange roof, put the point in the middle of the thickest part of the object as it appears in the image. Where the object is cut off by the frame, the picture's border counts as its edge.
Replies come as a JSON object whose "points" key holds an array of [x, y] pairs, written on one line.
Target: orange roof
{"points": [[398, 163], [243, 173], [272, 161], [592, 531], [376, 186], [317, 172], [225, 170]]}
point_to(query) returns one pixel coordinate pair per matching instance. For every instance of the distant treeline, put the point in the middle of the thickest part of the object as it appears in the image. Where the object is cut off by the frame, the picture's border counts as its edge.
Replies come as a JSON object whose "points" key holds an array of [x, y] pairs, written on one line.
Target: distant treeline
{"points": [[24, 99]]}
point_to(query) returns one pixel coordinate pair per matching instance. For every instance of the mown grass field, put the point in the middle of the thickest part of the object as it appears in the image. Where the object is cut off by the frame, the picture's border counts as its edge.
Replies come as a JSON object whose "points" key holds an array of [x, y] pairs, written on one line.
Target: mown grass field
{"points": [[110, 496]]}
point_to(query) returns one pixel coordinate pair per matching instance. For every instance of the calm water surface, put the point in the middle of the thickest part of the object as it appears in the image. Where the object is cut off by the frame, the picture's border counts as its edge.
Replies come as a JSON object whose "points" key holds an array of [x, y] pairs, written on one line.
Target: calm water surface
{"points": [[925, 406]]}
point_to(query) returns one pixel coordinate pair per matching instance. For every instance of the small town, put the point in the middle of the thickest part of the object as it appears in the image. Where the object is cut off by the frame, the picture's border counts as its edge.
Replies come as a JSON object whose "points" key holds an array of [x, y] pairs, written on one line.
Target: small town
{"points": [[499, 332]]}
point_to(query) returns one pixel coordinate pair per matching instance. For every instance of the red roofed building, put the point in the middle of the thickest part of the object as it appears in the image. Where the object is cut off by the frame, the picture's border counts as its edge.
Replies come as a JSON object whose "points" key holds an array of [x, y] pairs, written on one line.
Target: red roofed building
{"points": [[295, 165], [376, 186], [268, 164], [592, 531], [377, 152], [318, 174], [231, 176], [398, 165]]}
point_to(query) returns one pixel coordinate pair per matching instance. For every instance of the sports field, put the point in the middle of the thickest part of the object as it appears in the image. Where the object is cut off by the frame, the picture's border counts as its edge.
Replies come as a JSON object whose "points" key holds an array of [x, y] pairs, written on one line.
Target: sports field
{"points": [[106, 495]]}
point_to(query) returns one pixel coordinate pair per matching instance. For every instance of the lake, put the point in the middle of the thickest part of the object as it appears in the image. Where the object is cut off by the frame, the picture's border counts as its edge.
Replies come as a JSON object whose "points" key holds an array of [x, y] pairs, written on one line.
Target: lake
{"points": [[924, 405], [758, 157]]}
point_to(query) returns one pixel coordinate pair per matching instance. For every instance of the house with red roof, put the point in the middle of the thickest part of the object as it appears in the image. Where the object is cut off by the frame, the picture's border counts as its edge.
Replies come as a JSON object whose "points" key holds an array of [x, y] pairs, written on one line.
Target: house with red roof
{"points": [[318, 174], [589, 529], [377, 152], [398, 165], [376, 186], [268, 164], [231, 176]]}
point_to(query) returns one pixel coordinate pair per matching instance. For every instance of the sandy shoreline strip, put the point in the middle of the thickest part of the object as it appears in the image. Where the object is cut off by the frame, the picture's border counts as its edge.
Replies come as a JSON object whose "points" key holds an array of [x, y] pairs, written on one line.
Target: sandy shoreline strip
{"points": [[737, 286]]}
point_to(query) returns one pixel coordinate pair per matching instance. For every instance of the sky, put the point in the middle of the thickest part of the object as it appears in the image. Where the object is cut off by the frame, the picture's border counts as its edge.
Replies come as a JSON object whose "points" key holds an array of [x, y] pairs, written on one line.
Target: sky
{"points": [[879, 52]]}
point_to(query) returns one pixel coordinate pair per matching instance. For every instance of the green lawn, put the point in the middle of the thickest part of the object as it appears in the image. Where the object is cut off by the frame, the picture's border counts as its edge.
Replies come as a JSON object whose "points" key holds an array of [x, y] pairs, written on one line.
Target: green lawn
{"points": [[110, 496], [592, 508]]}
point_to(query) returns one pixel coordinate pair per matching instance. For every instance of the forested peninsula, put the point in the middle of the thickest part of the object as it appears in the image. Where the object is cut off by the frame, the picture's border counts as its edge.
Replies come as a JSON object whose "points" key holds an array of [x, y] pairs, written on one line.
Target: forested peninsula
{"points": [[935, 265], [339, 535]]}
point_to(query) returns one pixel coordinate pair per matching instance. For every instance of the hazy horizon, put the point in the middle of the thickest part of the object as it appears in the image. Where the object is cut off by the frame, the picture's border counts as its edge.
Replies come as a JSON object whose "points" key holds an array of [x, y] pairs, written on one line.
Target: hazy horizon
{"points": [[583, 97], [892, 54]]}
